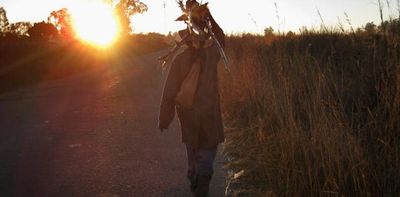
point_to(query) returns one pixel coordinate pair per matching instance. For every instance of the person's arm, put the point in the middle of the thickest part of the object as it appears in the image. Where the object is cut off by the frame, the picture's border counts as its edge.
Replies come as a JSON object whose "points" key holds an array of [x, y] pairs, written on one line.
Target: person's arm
{"points": [[171, 89]]}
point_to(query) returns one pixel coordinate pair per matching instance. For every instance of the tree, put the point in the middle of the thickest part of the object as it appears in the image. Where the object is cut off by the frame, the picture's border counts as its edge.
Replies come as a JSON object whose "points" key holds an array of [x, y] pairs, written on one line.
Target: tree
{"points": [[394, 27], [125, 10], [383, 27], [370, 28], [20, 28], [3, 20], [42, 31], [268, 31], [62, 21], [290, 34]]}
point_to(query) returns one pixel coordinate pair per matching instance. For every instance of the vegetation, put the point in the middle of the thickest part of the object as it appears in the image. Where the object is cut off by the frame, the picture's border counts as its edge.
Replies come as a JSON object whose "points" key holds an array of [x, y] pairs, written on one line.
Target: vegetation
{"points": [[309, 114], [127, 8], [62, 20], [314, 114], [32, 53]]}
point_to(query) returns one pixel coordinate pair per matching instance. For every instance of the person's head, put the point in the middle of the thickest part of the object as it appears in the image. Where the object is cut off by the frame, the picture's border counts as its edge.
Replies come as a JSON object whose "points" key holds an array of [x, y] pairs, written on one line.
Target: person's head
{"points": [[199, 15]]}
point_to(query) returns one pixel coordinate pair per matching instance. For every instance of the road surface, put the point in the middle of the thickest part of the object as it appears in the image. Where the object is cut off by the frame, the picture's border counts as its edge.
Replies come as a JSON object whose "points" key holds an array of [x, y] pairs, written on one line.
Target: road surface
{"points": [[94, 134]]}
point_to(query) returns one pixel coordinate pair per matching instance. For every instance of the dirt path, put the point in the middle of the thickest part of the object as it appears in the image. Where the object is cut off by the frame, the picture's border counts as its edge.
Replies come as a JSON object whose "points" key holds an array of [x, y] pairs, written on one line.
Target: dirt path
{"points": [[93, 134]]}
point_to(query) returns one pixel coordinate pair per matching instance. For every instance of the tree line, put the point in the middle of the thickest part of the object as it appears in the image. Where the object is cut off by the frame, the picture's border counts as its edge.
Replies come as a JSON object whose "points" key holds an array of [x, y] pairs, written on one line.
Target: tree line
{"points": [[386, 27], [59, 23]]}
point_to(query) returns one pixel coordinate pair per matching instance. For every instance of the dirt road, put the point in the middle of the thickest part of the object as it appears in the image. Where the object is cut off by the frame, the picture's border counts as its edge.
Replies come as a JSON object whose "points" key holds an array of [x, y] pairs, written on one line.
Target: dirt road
{"points": [[93, 134]]}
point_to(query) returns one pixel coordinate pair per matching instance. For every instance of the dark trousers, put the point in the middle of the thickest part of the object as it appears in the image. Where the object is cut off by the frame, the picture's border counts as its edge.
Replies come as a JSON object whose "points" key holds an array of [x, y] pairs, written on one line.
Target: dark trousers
{"points": [[200, 162]]}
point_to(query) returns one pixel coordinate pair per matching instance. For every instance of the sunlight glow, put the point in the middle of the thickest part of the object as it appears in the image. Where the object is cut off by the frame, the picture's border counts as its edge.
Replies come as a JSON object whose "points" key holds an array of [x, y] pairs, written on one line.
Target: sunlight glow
{"points": [[250, 16], [95, 23]]}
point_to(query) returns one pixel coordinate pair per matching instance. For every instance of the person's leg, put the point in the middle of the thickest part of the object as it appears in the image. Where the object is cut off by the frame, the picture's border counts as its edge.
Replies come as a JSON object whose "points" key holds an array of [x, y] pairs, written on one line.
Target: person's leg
{"points": [[191, 173], [204, 170]]}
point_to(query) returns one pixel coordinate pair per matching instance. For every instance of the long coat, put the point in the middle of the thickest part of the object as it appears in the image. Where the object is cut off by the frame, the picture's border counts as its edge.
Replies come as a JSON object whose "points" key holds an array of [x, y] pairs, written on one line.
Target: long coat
{"points": [[201, 125]]}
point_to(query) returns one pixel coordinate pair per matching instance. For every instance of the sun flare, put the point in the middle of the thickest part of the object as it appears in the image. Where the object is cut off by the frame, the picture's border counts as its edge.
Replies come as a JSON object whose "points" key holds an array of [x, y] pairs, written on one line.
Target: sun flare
{"points": [[95, 23]]}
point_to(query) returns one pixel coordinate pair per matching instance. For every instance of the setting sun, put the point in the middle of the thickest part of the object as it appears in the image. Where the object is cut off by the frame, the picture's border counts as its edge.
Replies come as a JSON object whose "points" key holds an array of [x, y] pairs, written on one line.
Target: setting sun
{"points": [[95, 23]]}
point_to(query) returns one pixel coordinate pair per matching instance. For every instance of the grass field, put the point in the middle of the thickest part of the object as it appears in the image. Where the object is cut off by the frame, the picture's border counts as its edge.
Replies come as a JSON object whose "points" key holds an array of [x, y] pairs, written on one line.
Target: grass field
{"points": [[313, 114], [310, 114]]}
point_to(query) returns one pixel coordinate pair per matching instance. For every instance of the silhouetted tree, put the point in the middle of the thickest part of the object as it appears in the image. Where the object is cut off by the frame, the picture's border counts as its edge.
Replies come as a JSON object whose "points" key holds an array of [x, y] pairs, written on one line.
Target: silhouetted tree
{"points": [[3, 21], [268, 31], [126, 9], [42, 31], [290, 34], [393, 27], [383, 27], [370, 28], [61, 19], [20, 28]]}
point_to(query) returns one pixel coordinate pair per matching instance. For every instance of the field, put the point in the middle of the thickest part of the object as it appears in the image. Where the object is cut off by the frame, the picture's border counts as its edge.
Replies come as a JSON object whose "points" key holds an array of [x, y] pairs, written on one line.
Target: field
{"points": [[313, 114], [309, 114]]}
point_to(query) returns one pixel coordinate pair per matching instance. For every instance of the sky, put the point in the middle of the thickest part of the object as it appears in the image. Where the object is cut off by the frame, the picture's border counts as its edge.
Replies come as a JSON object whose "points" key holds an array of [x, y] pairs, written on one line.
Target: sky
{"points": [[234, 16]]}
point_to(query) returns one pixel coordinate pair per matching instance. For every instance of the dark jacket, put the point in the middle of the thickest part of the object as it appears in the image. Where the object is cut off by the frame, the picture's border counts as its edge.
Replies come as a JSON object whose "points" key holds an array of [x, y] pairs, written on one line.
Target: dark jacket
{"points": [[202, 125]]}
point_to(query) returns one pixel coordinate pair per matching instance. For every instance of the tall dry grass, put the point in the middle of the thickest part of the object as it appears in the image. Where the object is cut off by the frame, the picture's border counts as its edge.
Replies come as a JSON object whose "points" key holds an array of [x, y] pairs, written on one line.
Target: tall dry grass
{"points": [[315, 114]]}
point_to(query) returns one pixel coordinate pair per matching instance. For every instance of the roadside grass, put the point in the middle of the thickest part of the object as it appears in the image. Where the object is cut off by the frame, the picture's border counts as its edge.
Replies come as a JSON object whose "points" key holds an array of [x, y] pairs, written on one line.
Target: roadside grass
{"points": [[313, 114]]}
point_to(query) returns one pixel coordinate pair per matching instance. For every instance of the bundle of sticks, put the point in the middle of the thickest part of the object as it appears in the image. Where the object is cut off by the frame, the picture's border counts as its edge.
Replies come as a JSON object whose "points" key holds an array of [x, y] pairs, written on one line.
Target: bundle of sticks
{"points": [[196, 16]]}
